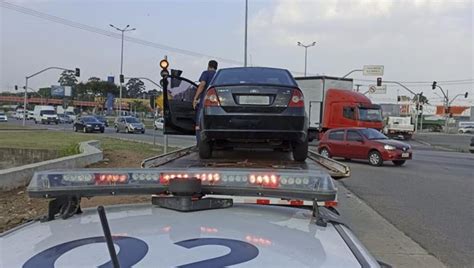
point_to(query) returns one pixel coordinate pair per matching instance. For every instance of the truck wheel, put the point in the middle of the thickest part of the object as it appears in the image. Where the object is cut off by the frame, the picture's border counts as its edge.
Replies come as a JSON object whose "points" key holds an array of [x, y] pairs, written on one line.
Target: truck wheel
{"points": [[300, 151], [461, 132], [375, 158], [205, 150], [324, 152], [398, 163]]}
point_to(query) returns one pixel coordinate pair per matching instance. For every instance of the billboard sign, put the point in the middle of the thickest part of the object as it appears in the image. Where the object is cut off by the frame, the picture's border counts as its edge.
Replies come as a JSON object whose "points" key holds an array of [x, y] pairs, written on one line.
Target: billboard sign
{"points": [[60, 91]]}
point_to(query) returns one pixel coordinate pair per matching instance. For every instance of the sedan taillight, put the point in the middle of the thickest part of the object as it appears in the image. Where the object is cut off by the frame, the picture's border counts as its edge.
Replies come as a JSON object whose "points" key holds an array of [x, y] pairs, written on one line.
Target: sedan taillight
{"points": [[211, 98], [296, 99]]}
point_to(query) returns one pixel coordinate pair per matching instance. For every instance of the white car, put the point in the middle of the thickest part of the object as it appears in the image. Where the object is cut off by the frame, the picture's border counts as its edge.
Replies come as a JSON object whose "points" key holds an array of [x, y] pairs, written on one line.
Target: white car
{"points": [[159, 123], [18, 114], [3, 117], [466, 129]]}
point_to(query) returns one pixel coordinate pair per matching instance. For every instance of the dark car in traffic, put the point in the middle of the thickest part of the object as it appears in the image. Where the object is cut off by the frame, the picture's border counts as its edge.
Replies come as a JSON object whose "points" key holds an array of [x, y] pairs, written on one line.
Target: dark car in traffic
{"points": [[102, 119], [364, 143], [88, 124], [254, 107]]}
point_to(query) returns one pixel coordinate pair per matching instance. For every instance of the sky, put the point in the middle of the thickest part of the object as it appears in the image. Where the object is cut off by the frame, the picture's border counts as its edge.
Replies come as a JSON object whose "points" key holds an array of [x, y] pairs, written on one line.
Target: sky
{"points": [[415, 40]]}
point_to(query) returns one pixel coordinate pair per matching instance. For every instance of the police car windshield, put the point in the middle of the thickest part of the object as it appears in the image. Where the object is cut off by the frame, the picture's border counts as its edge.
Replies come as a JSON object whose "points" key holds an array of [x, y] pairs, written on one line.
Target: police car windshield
{"points": [[372, 134], [131, 120], [263, 76]]}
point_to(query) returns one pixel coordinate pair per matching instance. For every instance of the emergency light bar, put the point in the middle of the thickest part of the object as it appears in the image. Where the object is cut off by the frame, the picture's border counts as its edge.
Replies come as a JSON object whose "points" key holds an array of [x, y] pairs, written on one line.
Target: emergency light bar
{"points": [[99, 182]]}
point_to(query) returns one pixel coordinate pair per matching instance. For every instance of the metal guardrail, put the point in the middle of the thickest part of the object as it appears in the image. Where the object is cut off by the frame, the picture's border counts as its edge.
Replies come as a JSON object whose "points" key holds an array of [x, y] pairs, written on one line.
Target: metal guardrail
{"points": [[337, 170]]}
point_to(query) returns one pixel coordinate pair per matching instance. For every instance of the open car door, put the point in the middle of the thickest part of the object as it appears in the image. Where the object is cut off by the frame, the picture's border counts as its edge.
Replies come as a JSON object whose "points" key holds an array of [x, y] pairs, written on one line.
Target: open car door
{"points": [[179, 115]]}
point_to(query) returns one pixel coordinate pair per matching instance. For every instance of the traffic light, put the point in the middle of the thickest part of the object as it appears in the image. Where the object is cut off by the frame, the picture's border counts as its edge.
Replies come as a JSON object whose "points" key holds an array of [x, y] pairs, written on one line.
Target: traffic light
{"points": [[164, 68], [16, 87], [399, 98], [379, 81], [77, 72], [122, 79], [164, 64], [466, 94], [433, 86]]}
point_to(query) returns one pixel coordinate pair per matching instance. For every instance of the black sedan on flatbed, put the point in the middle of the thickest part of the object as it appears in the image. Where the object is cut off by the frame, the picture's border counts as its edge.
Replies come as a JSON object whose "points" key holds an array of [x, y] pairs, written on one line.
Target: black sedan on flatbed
{"points": [[254, 107], [88, 124]]}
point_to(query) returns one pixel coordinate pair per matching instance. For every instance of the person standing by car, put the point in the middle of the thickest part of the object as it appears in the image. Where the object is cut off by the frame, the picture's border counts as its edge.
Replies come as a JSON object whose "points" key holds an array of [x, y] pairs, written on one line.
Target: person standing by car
{"points": [[204, 81]]}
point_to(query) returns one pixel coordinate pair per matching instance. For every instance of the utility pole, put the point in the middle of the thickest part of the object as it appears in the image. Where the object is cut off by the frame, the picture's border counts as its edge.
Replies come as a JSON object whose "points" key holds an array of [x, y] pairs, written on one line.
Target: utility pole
{"points": [[246, 26], [305, 53], [121, 61], [358, 86]]}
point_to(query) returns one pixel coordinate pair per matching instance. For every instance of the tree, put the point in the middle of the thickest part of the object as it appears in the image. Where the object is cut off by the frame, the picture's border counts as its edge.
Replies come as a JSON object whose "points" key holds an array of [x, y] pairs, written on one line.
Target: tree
{"points": [[94, 79], [67, 78], [45, 92], [135, 88]]}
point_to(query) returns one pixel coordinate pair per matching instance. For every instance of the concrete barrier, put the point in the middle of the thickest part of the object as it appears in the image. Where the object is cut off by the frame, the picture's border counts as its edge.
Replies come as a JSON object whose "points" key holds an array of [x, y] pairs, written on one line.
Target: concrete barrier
{"points": [[19, 176]]}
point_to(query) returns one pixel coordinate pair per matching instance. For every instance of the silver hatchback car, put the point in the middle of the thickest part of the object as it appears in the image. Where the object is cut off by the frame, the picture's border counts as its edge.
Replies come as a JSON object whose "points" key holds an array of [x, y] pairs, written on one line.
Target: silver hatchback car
{"points": [[129, 124]]}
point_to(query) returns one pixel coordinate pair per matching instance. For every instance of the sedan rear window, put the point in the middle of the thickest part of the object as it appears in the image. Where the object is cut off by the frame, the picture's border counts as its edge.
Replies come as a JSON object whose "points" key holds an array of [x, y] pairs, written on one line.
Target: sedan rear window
{"points": [[264, 76], [337, 135]]}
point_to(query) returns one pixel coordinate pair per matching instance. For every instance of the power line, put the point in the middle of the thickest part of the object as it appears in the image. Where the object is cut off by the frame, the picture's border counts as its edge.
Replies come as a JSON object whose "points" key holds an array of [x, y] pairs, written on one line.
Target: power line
{"points": [[52, 18], [446, 82]]}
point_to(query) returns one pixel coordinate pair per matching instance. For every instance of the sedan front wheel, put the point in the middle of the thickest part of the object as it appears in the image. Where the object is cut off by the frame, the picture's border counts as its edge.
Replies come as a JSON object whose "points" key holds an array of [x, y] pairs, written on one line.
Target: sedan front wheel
{"points": [[375, 158]]}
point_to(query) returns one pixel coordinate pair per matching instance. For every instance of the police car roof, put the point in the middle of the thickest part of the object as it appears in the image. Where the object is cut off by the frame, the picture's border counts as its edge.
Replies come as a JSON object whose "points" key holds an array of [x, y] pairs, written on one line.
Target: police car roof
{"points": [[148, 236]]}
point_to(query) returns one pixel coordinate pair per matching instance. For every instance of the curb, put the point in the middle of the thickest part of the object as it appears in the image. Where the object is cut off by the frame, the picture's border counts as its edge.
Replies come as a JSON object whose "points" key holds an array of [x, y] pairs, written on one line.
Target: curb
{"points": [[383, 240], [20, 176]]}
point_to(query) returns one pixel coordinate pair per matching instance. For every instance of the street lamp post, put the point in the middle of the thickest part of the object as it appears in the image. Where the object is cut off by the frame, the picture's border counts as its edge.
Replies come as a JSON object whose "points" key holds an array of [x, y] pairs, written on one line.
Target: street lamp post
{"points": [[77, 71], [305, 53], [121, 60]]}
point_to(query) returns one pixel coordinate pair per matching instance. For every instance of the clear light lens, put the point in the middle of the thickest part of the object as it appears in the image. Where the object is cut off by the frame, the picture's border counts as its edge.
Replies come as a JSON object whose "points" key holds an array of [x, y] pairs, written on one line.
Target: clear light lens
{"points": [[389, 147]]}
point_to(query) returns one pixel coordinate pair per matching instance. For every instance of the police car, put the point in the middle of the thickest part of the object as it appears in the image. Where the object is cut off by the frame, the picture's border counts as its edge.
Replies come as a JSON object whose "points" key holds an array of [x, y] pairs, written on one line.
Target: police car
{"points": [[199, 216]]}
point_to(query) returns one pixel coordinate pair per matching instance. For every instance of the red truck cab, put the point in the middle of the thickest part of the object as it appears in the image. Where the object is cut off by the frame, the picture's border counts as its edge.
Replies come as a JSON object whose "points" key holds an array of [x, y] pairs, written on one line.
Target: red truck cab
{"points": [[345, 108]]}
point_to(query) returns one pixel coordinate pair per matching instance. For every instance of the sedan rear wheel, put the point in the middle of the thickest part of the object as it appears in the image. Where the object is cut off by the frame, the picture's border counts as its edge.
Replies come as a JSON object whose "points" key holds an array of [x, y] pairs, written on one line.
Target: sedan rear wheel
{"points": [[375, 158], [300, 151], [398, 162]]}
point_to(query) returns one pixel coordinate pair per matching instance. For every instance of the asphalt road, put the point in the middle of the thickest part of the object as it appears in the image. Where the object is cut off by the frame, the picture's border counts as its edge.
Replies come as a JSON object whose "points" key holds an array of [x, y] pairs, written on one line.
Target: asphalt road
{"points": [[456, 142], [431, 198]]}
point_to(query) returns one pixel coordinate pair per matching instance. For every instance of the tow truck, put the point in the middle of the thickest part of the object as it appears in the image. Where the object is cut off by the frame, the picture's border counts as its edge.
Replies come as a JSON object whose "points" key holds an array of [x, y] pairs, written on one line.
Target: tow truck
{"points": [[247, 208]]}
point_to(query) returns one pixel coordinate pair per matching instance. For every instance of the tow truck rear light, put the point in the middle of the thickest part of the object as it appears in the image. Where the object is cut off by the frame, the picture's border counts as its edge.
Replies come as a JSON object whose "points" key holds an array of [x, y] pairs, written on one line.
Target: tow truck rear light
{"points": [[211, 98], [297, 99], [329, 204]]}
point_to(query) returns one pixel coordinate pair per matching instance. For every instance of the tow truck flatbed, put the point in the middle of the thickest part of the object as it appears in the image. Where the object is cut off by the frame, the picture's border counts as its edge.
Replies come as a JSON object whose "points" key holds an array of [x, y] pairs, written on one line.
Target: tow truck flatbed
{"points": [[188, 157]]}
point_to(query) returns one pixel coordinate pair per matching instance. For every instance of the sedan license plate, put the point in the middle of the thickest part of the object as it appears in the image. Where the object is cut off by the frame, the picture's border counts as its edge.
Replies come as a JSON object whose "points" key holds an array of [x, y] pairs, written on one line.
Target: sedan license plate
{"points": [[405, 155], [254, 100], [96, 127]]}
